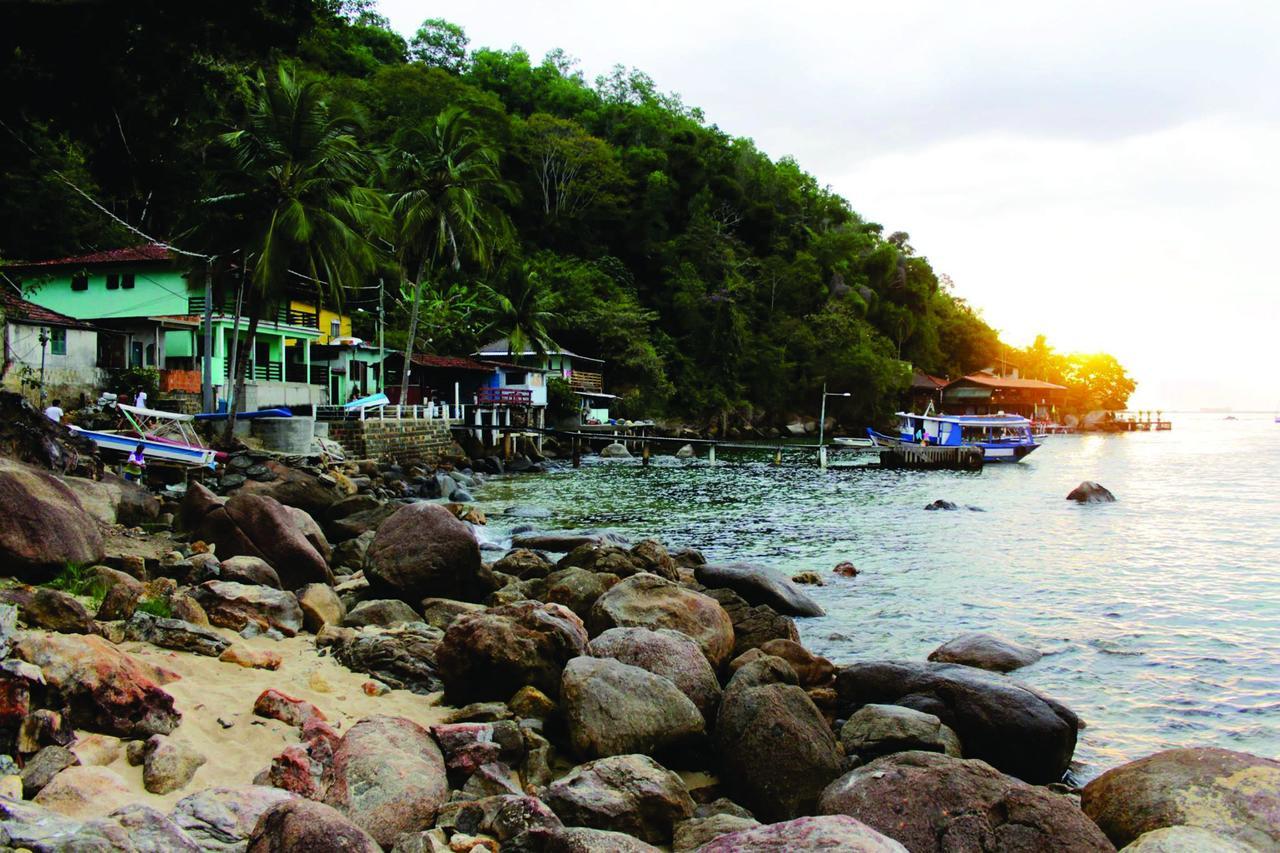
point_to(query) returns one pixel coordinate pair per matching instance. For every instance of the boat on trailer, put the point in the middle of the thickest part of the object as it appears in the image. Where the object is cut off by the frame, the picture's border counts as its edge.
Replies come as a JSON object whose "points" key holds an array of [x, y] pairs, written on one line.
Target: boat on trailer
{"points": [[1003, 438], [164, 436]]}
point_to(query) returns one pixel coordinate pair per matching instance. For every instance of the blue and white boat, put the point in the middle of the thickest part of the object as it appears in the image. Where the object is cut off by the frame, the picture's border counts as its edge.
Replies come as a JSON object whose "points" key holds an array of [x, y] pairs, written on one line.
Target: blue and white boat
{"points": [[1003, 438]]}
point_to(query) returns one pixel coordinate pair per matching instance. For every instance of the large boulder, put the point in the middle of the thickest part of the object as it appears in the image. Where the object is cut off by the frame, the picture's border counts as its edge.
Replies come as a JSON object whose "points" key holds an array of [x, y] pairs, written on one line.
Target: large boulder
{"points": [[320, 606], [491, 655], [249, 570], [667, 653], [775, 749], [236, 605], [625, 793], [603, 557], [293, 825], [104, 689], [113, 500], [402, 657], [580, 839], [1233, 794], [383, 612], [259, 526], [986, 651], [753, 626], [56, 611], [295, 488], [357, 524], [1090, 492], [878, 730], [577, 589], [804, 834], [44, 526], [84, 792], [760, 585], [613, 708], [388, 776], [222, 819], [312, 532], [648, 601], [1186, 839], [1006, 724], [933, 803], [424, 550]]}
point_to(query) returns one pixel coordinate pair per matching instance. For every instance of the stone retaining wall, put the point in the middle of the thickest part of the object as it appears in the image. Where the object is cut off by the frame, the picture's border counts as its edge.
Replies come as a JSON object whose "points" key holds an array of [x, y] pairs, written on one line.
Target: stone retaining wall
{"points": [[401, 439]]}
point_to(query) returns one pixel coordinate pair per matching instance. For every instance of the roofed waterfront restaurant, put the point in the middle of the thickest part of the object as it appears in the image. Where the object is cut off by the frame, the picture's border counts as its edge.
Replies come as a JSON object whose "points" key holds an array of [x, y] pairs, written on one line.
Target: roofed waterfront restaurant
{"points": [[985, 393]]}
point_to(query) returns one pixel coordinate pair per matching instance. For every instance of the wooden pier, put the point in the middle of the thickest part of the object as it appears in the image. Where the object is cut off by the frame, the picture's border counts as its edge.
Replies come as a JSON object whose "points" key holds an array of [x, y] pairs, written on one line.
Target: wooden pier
{"points": [[932, 458], [1142, 421]]}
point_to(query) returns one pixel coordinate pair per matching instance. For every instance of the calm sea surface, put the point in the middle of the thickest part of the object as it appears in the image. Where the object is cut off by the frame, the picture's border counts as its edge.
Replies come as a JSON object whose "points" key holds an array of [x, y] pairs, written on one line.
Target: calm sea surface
{"points": [[1159, 614]]}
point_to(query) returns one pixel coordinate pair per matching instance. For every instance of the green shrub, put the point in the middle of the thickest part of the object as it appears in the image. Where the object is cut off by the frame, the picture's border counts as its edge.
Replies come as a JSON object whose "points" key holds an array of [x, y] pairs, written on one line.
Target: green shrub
{"points": [[156, 607]]}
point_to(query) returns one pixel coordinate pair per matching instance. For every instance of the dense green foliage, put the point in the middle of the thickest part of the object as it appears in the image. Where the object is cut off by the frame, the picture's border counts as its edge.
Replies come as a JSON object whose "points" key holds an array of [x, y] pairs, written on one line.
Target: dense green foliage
{"points": [[517, 197], [1094, 380]]}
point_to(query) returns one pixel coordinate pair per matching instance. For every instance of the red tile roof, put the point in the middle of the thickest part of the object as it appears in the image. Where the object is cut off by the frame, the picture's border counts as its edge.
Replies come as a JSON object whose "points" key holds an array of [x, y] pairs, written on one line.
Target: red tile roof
{"points": [[992, 381], [146, 253], [17, 308], [448, 362]]}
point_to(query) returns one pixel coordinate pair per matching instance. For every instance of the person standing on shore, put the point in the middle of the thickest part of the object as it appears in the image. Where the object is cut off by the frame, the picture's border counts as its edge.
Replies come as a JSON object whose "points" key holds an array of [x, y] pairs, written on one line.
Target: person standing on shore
{"points": [[54, 411], [134, 465], [141, 400]]}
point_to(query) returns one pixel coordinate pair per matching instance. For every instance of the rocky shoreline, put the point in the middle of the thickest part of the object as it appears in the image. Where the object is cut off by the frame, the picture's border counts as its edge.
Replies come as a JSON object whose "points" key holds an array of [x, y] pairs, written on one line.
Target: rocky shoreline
{"points": [[323, 656]]}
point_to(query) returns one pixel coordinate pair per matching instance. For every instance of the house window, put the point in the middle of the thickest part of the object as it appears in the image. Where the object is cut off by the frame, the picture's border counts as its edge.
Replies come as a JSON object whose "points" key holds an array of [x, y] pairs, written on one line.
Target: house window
{"points": [[126, 281], [80, 281], [335, 328], [113, 281], [57, 341]]}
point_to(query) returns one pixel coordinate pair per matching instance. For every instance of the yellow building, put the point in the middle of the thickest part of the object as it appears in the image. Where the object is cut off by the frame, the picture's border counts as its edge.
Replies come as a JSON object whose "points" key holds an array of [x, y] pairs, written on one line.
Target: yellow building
{"points": [[332, 324]]}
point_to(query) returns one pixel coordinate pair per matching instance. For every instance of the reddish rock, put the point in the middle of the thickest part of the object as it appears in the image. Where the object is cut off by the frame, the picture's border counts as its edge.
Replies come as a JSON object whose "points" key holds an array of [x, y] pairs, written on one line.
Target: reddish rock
{"points": [[252, 658], [812, 670], [492, 654], [44, 526], [422, 551], [257, 526], [105, 689], [388, 776], [277, 706], [846, 569], [667, 653], [305, 825], [829, 832], [295, 488], [234, 605], [466, 746], [294, 770]]}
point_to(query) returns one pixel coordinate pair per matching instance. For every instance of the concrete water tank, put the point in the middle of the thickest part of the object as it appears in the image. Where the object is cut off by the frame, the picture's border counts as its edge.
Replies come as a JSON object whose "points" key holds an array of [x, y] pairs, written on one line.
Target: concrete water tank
{"points": [[285, 435]]}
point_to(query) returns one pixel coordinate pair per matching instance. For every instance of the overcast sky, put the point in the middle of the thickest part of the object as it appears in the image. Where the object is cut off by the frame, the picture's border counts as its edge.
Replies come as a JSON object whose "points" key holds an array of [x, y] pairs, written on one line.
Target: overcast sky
{"points": [[1107, 173]]}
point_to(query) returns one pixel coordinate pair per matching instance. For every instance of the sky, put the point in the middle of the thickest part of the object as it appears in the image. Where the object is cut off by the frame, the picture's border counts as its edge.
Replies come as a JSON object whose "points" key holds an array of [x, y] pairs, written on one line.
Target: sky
{"points": [[1104, 173]]}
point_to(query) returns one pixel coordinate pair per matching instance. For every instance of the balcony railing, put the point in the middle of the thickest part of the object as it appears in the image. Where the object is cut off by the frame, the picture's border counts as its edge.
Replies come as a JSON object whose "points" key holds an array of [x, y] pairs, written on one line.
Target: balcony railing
{"points": [[581, 380], [282, 316], [269, 372], [503, 397]]}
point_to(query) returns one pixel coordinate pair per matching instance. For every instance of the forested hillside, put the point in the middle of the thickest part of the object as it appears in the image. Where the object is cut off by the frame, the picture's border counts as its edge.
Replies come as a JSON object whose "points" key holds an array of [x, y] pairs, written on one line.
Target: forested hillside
{"points": [[497, 192]]}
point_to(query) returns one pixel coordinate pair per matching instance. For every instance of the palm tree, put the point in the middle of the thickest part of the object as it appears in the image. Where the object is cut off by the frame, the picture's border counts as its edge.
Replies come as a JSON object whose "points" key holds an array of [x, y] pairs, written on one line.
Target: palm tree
{"points": [[444, 179], [522, 311], [293, 198]]}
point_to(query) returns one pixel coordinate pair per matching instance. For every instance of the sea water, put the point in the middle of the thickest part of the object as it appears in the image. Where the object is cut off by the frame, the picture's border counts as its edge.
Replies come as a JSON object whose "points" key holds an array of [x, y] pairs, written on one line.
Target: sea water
{"points": [[1159, 614]]}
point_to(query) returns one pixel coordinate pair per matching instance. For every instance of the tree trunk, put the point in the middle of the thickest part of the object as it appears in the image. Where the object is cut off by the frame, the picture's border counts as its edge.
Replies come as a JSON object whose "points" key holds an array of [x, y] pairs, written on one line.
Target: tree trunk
{"points": [[408, 344], [240, 367]]}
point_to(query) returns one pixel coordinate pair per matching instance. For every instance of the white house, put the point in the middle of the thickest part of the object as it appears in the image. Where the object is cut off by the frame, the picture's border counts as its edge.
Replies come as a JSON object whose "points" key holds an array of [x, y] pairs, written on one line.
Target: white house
{"points": [[43, 346]]}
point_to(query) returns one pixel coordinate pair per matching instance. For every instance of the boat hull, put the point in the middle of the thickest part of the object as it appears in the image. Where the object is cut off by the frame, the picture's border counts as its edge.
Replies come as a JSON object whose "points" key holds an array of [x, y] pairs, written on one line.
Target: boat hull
{"points": [[990, 452], [156, 450]]}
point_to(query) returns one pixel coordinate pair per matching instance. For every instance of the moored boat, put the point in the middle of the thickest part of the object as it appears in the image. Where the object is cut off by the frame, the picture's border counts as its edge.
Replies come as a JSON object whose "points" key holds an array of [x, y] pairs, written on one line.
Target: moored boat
{"points": [[164, 436], [1003, 438]]}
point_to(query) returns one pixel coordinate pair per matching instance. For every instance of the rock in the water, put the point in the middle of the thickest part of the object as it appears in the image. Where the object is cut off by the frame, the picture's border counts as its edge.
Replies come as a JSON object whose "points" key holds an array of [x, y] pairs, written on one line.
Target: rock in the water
{"points": [[617, 450], [932, 802], [812, 670], [878, 730], [846, 569], [222, 819], [625, 793], [84, 792], [105, 689], [383, 612], [320, 606], [648, 601], [175, 634], [760, 585], [986, 651], [753, 626], [1090, 492], [807, 578], [559, 543], [169, 764], [667, 653], [388, 776], [806, 834], [524, 564], [236, 605], [249, 570], [654, 558], [1006, 724], [493, 654], [686, 452], [259, 526], [1186, 839], [776, 750], [304, 825], [44, 526], [602, 557], [421, 551], [942, 504], [1234, 794], [613, 708]]}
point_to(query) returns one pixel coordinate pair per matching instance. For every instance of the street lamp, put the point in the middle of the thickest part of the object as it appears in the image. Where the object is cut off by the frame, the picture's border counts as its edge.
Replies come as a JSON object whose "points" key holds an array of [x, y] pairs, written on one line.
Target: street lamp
{"points": [[822, 423]]}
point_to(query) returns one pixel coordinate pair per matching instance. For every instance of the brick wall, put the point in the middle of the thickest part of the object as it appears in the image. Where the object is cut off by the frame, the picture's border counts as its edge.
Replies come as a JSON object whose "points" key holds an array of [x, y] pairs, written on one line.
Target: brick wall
{"points": [[401, 440]]}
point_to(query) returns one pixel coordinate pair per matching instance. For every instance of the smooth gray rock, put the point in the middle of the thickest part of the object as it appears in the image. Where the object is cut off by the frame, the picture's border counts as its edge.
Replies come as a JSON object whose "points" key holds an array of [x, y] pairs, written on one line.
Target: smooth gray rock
{"points": [[760, 585]]}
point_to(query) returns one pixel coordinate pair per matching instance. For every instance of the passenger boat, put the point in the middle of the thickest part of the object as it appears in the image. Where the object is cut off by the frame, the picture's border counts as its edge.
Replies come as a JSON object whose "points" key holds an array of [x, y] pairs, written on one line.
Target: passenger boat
{"points": [[164, 436], [1003, 438]]}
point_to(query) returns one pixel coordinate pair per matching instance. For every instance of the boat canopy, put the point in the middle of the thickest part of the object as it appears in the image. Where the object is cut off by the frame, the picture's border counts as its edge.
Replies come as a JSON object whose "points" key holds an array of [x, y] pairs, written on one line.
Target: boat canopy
{"points": [[972, 420]]}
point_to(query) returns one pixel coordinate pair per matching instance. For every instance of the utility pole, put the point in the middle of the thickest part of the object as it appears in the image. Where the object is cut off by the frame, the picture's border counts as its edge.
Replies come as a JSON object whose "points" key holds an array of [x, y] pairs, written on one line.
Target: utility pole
{"points": [[206, 384], [382, 352], [44, 340]]}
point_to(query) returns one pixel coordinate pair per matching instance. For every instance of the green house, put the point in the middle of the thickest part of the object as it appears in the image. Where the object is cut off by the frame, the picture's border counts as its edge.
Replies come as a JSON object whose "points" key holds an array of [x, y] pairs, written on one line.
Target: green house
{"points": [[150, 314]]}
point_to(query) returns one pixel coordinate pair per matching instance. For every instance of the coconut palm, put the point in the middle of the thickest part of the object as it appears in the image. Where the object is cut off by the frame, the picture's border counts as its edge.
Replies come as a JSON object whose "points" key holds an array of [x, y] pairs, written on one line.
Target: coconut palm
{"points": [[444, 181], [522, 311], [293, 198]]}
